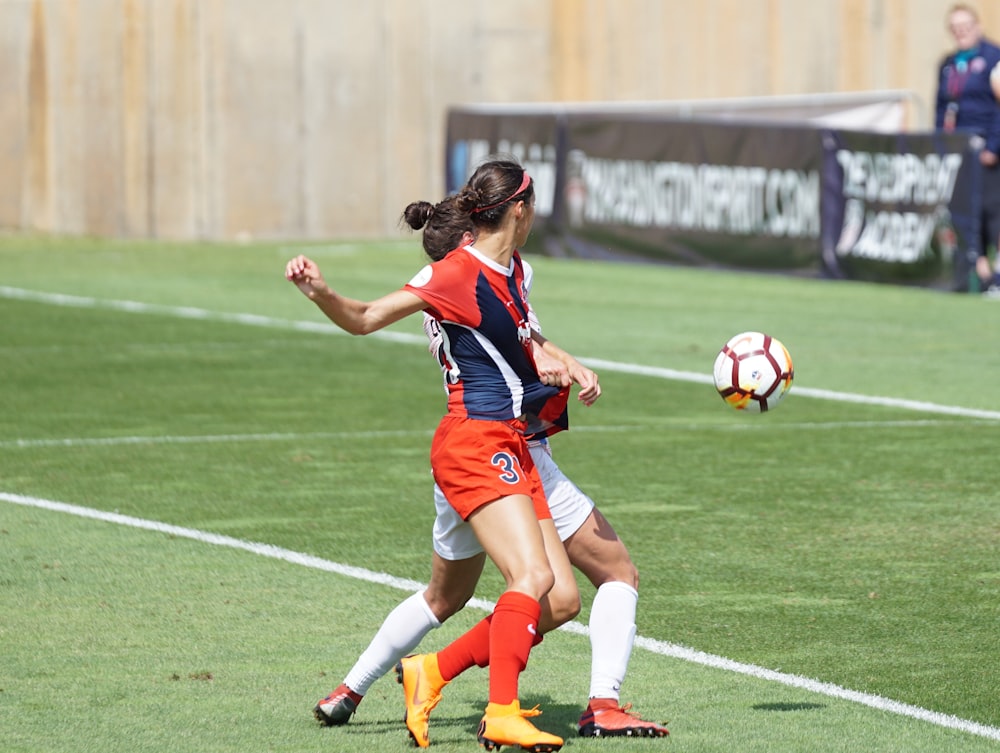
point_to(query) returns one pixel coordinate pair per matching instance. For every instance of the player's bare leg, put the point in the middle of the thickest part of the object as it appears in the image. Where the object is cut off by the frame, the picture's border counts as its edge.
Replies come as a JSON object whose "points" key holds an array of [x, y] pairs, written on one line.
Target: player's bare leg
{"points": [[598, 553]]}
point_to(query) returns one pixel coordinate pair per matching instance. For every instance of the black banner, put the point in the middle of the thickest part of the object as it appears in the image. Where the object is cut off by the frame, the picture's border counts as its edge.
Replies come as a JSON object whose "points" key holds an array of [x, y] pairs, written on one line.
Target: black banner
{"points": [[532, 139], [796, 199], [704, 193], [888, 202]]}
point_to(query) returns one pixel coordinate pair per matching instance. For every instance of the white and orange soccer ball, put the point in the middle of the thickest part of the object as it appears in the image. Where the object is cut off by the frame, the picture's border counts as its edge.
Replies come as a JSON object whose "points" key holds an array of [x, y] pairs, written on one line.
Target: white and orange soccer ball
{"points": [[753, 372]]}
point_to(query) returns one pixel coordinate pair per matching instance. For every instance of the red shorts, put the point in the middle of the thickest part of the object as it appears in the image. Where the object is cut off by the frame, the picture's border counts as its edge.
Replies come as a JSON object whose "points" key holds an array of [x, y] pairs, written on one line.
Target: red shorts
{"points": [[477, 462]]}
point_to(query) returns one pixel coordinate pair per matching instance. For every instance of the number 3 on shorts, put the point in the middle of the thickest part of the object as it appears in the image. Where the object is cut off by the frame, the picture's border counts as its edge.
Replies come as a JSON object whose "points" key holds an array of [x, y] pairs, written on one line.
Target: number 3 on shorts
{"points": [[511, 469]]}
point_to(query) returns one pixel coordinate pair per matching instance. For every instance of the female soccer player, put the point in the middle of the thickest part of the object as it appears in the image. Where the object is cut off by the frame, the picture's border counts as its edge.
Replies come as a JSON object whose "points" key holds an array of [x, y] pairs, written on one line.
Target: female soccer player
{"points": [[590, 541], [479, 455]]}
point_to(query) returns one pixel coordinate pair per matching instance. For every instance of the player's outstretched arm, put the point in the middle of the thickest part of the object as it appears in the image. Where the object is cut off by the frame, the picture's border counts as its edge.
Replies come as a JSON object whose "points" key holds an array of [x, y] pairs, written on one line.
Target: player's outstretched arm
{"points": [[351, 315]]}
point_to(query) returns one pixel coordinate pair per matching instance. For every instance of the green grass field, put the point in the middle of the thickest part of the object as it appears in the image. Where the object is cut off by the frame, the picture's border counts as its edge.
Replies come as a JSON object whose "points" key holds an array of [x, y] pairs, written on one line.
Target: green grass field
{"points": [[854, 543]]}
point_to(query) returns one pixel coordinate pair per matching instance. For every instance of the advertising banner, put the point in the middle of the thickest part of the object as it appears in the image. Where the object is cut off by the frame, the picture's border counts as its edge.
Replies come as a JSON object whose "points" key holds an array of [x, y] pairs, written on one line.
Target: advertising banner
{"points": [[531, 139], [704, 193], [797, 199], [889, 204]]}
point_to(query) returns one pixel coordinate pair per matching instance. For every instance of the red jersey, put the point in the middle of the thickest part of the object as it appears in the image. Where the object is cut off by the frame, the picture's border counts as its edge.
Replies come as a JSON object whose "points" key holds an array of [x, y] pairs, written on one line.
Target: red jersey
{"points": [[486, 353]]}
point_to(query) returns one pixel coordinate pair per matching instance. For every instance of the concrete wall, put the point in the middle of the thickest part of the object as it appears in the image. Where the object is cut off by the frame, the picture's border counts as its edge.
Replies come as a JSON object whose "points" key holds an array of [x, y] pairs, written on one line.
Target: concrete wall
{"points": [[324, 118]]}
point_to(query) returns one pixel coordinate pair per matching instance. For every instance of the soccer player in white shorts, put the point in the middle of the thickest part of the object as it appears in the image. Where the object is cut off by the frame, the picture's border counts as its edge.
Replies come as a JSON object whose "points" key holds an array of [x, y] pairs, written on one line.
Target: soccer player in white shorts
{"points": [[593, 548], [454, 539]]}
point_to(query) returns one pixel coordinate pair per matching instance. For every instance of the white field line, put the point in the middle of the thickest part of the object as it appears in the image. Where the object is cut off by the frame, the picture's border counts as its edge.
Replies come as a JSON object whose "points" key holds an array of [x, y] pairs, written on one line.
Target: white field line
{"points": [[662, 648], [189, 312]]}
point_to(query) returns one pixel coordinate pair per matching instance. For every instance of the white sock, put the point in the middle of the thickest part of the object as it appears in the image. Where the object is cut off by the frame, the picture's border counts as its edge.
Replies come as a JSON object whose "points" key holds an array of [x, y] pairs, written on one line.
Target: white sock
{"points": [[612, 633], [402, 630]]}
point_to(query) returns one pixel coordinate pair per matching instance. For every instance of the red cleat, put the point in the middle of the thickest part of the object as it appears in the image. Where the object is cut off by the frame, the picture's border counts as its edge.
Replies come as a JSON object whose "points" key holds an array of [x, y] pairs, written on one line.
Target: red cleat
{"points": [[605, 718], [338, 707]]}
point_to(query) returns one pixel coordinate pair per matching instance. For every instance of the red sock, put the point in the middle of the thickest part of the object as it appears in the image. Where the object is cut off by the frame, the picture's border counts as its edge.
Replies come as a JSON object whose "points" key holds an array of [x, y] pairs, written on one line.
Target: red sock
{"points": [[470, 649], [512, 634]]}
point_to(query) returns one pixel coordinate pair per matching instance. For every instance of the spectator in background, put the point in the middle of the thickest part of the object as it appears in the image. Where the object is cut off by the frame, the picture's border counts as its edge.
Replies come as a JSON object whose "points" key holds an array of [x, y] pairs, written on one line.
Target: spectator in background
{"points": [[968, 102]]}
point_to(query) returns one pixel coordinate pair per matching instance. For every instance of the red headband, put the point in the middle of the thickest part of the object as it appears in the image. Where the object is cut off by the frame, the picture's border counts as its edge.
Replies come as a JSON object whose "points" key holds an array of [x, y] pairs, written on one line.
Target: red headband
{"points": [[524, 184]]}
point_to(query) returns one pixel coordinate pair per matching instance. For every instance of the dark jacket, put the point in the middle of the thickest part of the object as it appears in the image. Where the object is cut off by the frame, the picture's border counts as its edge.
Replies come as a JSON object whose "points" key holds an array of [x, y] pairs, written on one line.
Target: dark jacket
{"points": [[965, 91]]}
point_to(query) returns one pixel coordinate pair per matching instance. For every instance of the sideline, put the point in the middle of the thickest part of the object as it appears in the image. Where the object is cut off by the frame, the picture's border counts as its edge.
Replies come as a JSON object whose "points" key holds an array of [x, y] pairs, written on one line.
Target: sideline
{"points": [[189, 312], [662, 648]]}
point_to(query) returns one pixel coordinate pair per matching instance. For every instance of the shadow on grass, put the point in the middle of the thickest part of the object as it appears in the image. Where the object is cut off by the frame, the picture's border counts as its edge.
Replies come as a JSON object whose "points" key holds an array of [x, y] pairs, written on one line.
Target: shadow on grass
{"points": [[557, 718], [460, 723], [784, 706]]}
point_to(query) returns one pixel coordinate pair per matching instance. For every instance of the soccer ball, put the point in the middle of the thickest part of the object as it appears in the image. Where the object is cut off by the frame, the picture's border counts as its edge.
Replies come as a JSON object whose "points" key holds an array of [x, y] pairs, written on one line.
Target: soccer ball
{"points": [[753, 371]]}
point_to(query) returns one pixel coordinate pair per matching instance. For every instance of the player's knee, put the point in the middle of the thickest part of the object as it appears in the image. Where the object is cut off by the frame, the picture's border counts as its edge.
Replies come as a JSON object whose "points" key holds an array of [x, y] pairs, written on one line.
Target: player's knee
{"points": [[632, 576], [624, 570], [569, 608], [564, 602], [535, 581], [621, 571], [444, 604]]}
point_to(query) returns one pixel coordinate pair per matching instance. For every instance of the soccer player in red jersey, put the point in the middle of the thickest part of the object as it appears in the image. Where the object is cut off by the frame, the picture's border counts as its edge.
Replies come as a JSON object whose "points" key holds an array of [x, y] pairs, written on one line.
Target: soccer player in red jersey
{"points": [[591, 542], [479, 454]]}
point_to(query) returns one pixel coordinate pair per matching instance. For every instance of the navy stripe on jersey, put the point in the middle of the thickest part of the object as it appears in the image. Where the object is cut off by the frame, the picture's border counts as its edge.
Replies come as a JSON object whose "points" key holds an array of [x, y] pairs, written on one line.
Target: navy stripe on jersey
{"points": [[498, 378]]}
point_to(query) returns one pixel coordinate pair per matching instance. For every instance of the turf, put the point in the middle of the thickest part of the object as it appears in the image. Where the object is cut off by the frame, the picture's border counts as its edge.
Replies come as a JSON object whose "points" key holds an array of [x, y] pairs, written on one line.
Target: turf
{"points": [[850, 543]]}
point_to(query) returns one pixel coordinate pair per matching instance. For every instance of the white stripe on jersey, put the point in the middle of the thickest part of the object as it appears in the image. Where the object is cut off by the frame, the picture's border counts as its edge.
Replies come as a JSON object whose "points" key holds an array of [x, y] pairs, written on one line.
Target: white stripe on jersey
{"points": [[509, 375], [439, 344], [529, 278]]}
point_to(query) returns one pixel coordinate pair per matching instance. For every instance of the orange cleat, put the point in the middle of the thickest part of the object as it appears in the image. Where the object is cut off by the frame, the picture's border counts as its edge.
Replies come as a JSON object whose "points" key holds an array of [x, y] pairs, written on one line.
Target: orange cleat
{"points": [[422, 684], [506, 724]]}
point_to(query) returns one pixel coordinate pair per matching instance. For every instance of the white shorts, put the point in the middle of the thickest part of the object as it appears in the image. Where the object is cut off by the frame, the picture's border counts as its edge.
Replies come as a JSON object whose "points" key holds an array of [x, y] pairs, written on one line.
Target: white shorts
{"points": [[454, 539]]}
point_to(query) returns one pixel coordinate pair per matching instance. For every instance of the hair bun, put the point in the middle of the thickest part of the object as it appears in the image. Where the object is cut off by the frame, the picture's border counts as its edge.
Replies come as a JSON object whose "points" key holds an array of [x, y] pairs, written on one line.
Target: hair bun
{"points": [[417, 213]]}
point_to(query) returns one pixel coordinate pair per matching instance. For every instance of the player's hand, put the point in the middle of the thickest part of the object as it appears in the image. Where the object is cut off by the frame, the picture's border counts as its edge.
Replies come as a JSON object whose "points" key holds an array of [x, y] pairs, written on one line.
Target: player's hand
{"points": [[987, 158], [304, 272], [551, 371], [590, 386]]}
